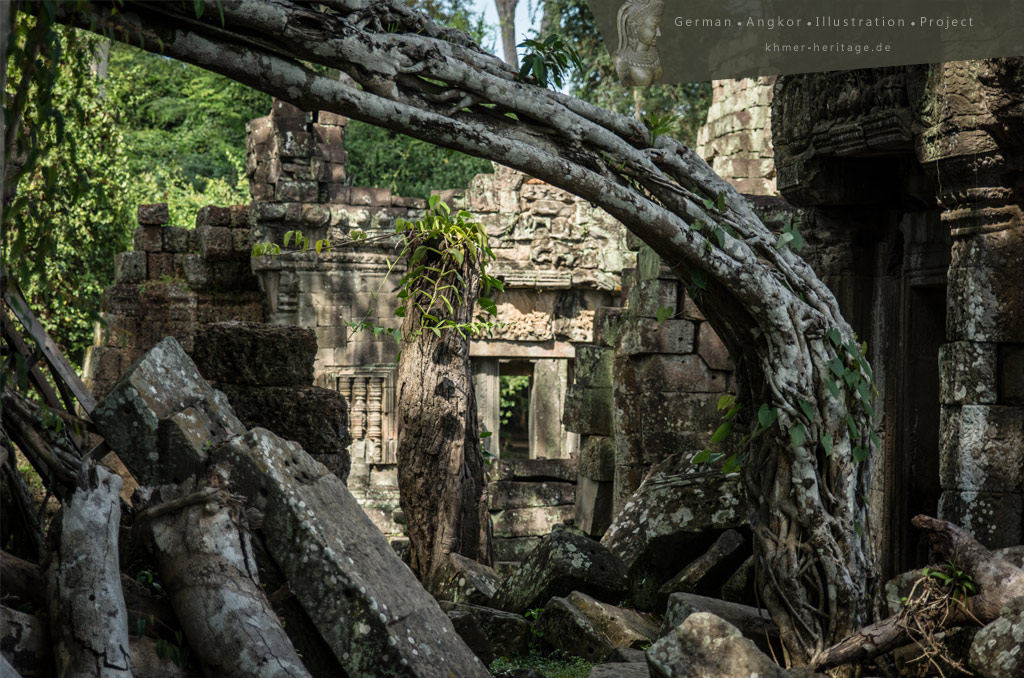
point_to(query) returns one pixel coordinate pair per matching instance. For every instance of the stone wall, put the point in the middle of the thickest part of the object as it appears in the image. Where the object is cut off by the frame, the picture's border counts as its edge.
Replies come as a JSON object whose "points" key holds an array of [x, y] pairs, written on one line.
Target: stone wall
{"points": [[736, 140], [173, 283]]}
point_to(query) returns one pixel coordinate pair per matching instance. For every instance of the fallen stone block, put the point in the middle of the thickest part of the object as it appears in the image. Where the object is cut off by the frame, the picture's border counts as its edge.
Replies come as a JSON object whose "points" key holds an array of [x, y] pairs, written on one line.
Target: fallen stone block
{"points": [[619, 670], [563, 562], [509, 633], [706, 646], [366, 604], [670, 519], [588, 628], [752, 622], [469, 629], [998, 648], [594, 499], [256, 354], [163, 418], [708, 572], [462, 580]]}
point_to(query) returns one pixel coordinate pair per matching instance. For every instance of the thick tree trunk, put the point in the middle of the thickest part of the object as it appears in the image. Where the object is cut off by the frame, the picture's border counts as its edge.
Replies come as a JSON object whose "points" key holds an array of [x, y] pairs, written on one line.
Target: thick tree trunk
{"points": [[507, 22], [440, 464], [203, 553], [88, 619], [781, 324], [998, 583]]}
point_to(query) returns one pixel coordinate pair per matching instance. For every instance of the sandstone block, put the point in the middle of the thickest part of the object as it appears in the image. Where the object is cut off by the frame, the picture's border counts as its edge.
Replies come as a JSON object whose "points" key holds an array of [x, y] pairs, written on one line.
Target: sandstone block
{"points": [[148, 238], [995, 519], [506, 494], [711, 348], [593, 366], [155, 214], [647, 335], [967, 373], [316, 418], [211, 215], [534, 469], [594, 504], [998, 649], [588, 411], [562, 563], [513, 549], [215, 242], [530, 522], [582, 626], [982, 448], [256, 354], [130, 267], [163, 418], [461, 580], [472, 633], [705, 645], [597, 458], [509, 633], [666, 522]]}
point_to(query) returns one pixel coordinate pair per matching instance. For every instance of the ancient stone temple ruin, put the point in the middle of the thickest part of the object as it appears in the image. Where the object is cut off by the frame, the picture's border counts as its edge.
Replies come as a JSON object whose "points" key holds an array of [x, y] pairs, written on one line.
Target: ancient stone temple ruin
{"points": [[904, 183]]}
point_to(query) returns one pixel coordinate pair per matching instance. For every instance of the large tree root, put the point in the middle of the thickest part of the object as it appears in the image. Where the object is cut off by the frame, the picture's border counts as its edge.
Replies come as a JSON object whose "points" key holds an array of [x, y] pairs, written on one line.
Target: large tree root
{"points": [[89, 622], [998, 582], [203, 552]]}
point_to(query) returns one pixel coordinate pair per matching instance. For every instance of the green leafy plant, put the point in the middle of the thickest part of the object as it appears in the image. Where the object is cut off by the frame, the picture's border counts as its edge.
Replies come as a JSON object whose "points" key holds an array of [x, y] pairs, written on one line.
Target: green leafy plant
{"points": [[960, 584], [549, 61], [659, 124], [513, 394]]}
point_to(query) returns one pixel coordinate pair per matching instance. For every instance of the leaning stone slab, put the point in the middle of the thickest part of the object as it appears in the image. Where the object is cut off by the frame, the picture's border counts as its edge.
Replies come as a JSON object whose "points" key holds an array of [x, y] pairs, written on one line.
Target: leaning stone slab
{"points": [[462, 580], [162, 418], [509, 633], [706, 646], [588, 628], [364, 601], [562, 563], [708, 572], [472, 633]]}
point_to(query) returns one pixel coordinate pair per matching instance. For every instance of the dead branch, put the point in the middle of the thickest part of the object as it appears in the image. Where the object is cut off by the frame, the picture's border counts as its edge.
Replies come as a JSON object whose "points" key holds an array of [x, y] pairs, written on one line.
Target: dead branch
{"points": [[998, 582]]}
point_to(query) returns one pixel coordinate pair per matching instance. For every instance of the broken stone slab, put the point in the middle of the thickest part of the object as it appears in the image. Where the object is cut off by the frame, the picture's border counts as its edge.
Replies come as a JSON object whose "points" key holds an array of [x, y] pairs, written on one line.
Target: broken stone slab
{"points": [[509, 633], [512, 494], [316, 418], [620, 670], [597, 458], [707, 573], [706, 646], [671, 519], [588, 628], [163, 418], [472, 633], [594, 506], [463, 580], [366, 604], [752, 622], [256, 354], [564, 561], [998, 649]]}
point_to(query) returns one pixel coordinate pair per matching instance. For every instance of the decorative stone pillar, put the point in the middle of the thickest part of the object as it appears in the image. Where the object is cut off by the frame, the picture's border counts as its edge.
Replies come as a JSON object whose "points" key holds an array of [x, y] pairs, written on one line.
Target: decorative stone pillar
{"points": [[974, 146]]}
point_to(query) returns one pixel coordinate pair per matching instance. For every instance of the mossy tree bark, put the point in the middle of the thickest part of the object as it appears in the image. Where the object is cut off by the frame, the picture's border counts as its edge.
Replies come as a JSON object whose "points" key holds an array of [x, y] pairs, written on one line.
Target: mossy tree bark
{"points": [[440, 464], [781, 324]]}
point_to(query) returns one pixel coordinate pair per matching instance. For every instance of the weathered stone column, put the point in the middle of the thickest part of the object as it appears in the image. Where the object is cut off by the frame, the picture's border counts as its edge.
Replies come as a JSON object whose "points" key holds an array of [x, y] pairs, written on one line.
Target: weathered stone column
{"points": [[974, 147]]}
